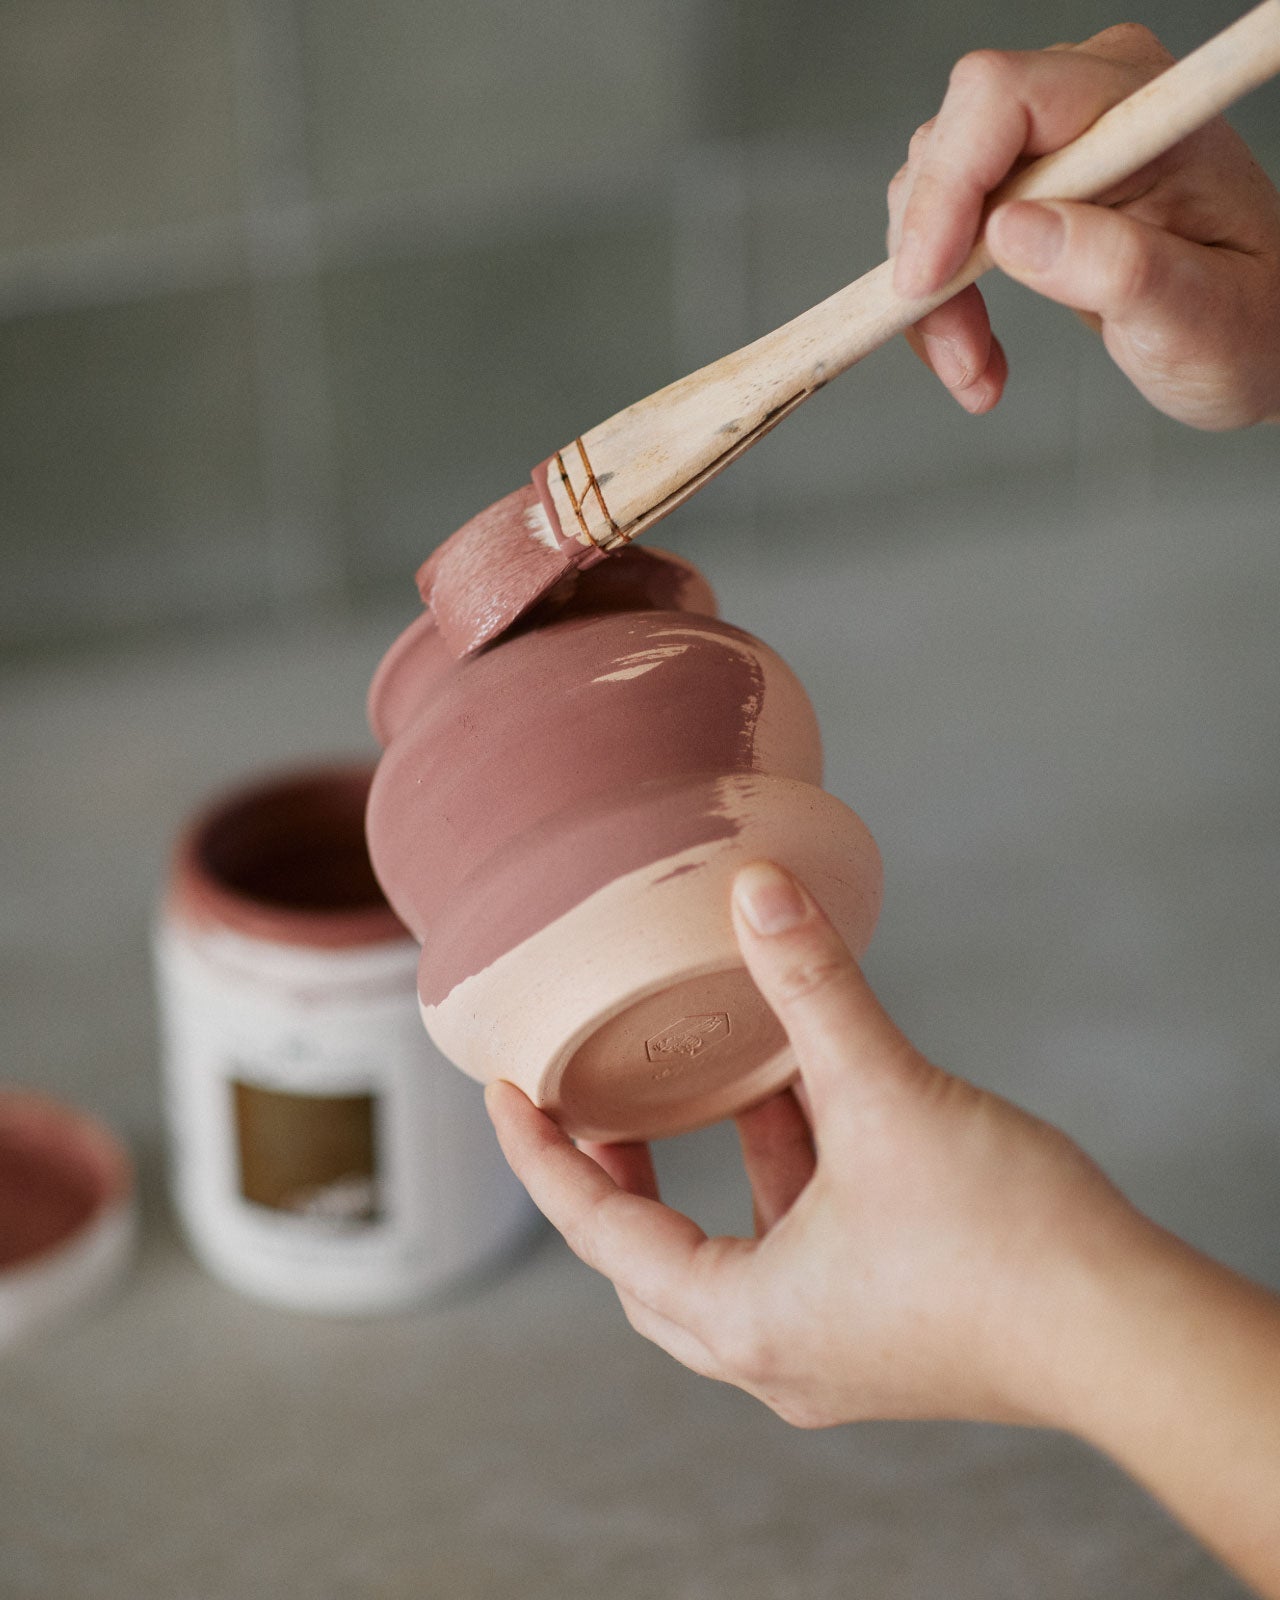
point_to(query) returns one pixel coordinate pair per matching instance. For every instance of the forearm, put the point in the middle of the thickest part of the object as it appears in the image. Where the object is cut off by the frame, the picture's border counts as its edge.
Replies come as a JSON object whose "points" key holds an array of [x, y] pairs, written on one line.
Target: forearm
{"points": [[927, 1249], [1180, 1384]]}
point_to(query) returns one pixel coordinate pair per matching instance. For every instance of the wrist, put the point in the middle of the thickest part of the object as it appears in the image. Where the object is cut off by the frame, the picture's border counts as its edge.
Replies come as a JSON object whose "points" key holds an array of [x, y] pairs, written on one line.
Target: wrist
{"points": [[1078, 1319], [1170, 1365], [1116, 1295]]}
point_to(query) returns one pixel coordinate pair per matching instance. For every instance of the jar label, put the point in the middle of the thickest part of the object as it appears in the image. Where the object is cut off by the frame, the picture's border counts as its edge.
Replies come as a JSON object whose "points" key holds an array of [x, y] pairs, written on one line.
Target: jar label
{"points": [[324, 1155], [312, 1155]]}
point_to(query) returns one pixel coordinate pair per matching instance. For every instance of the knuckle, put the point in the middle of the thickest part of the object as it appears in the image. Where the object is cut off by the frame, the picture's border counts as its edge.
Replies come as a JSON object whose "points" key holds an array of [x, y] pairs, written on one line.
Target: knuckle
{"points": [[799, 1412], [1129, 33], [592, 1237], [1133, 43], [896, 204], [981, 72], [636, 1315], [943, 1090], [810, 973], [1132, 270], [748, 1353], [580, 1236]]}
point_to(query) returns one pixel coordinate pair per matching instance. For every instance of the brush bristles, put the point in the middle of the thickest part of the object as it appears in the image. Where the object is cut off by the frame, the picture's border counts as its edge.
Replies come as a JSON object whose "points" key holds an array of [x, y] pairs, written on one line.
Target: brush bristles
{"points": [[486, 576]]}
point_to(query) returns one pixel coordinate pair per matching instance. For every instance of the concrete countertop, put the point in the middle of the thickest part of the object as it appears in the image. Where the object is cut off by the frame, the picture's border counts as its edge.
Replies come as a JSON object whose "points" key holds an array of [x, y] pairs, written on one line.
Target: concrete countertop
{"points": [[1067, 749]]}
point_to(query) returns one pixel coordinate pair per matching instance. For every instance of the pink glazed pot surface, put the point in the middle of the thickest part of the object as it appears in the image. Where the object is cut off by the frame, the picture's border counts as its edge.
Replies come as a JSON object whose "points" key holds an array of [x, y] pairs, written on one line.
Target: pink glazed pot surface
{"points": [[558, 820]]}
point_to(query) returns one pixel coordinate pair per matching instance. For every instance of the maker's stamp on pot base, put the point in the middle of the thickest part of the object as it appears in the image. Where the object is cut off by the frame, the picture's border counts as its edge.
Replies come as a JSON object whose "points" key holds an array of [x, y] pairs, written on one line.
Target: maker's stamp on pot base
{"points": [[688, 1037]]}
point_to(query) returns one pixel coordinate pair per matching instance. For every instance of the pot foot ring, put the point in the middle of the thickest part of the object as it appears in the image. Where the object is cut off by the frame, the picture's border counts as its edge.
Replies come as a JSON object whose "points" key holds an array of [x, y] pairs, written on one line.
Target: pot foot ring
{"points": [[689, 1054]]}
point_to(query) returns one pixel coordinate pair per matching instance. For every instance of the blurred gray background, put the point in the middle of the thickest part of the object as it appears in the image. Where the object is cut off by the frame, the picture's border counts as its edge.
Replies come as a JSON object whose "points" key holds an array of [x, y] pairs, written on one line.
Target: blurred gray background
{"points": [[288, 291]]}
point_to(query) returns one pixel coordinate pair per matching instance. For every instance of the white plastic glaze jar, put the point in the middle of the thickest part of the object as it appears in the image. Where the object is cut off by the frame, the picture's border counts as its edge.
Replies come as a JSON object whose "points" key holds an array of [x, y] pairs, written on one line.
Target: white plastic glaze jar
{"points": [[323, 1155]]}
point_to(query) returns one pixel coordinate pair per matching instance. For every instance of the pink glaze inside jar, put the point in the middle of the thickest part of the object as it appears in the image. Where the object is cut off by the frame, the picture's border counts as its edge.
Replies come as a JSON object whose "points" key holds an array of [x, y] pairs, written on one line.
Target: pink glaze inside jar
{"points": [[286, 860]]}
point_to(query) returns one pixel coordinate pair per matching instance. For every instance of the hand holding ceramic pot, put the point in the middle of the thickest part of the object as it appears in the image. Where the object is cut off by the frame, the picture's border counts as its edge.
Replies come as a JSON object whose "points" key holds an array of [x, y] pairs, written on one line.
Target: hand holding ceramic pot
{"points": [[1179, 269], [930, 1250]]}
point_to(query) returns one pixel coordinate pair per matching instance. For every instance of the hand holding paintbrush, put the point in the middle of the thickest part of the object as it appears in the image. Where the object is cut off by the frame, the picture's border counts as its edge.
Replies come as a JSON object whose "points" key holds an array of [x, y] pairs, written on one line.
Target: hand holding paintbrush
{"points": [[1177, 269], [615, 481]]}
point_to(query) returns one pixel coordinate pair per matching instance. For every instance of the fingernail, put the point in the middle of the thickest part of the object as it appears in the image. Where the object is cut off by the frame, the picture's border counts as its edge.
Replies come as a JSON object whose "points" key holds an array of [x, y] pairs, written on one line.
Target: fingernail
{"points": [[974, 399], [945, 362], [1026, 235], [770, 899]]}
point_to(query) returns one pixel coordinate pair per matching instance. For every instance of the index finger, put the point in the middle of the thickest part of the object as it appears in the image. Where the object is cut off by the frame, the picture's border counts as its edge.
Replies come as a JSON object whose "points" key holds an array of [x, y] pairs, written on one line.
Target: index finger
{"points": [[649, 1251], [1000, 106]]}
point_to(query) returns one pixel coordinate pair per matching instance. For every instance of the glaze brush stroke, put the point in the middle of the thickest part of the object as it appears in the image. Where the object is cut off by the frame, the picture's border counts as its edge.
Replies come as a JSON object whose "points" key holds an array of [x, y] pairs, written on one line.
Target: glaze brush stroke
{"points": [[542, 799], [638, 580], [586, 744], [570, 1013]]}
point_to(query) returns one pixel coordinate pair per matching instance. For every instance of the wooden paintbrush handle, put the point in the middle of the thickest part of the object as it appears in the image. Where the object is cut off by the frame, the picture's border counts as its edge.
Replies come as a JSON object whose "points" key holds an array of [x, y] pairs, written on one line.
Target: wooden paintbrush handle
{"points": [[627, 472]]}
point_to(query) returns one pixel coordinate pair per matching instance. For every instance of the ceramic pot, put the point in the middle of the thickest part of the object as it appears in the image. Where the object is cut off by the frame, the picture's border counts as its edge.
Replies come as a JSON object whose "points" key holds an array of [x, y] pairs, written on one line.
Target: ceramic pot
{"points": [[558, 820]]}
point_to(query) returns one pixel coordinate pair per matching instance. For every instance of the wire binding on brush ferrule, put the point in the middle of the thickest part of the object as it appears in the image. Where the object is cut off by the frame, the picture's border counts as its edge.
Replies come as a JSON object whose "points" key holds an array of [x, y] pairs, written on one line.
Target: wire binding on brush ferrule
{"points": [[595, 523]]}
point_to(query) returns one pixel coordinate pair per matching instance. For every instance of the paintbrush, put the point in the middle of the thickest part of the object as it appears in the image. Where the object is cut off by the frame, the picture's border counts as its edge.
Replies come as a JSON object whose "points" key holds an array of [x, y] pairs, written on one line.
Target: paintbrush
{"points": [[612, 483]]}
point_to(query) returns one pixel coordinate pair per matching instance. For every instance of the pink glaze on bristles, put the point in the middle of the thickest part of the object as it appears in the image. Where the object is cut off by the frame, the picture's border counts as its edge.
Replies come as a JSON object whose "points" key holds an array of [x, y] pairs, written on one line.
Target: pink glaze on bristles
{"points": [[486, 576]]}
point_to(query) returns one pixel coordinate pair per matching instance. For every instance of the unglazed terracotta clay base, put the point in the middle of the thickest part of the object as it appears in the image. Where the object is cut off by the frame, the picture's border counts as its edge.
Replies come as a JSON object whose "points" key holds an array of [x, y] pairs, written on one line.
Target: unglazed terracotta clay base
{"points": [[661, 1030], [558, 820]]}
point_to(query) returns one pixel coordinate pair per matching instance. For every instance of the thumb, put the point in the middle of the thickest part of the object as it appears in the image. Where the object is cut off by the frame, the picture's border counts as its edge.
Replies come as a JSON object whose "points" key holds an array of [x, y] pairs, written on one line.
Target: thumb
{"points": [[1100, 261], [847, 1046]]}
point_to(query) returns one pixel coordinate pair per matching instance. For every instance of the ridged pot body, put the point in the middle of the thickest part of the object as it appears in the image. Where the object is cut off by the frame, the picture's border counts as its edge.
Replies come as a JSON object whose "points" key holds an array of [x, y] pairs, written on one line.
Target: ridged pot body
{"points": [[558, 821]]}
